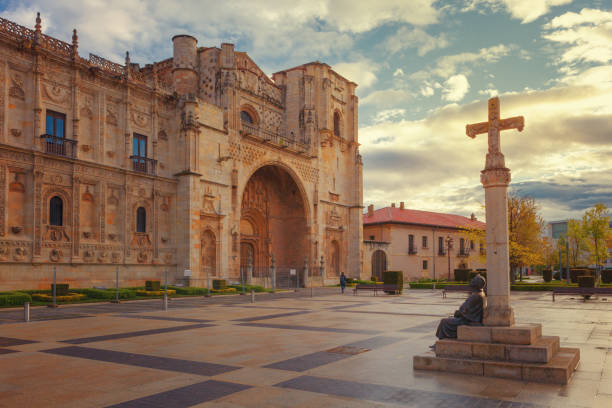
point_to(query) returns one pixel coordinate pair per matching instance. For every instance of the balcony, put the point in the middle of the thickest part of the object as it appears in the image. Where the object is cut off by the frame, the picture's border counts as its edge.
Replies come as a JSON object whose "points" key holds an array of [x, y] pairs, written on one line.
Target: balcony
{"points": [[441, 252], [463, 253], [143, 165], [412, 250], [274, 138], [59, 146]]}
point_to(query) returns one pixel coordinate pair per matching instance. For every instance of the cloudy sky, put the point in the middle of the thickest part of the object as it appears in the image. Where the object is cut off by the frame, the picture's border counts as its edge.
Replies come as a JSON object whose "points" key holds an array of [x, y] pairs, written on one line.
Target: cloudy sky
{"points": [[425, 69]]}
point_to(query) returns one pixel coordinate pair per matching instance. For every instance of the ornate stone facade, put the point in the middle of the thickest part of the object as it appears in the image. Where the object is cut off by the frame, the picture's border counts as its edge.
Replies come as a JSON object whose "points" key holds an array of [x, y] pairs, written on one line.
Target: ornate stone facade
{"points": [[199, 162]]}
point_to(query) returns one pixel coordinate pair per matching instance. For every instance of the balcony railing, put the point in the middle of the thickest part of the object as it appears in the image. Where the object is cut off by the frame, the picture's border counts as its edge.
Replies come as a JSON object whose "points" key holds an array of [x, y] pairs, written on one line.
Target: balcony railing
{"points": [[463, 253], [412, 250], [441, 252], [59, 146], [278, 139], [143, 165]]}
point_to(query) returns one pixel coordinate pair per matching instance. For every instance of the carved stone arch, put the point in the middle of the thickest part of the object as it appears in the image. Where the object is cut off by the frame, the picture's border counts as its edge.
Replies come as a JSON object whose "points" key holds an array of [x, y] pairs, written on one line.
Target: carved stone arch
{"points": [[66, 207], [146, 204], [252, 112], [294, 175], [338, 123], [209, 251]]}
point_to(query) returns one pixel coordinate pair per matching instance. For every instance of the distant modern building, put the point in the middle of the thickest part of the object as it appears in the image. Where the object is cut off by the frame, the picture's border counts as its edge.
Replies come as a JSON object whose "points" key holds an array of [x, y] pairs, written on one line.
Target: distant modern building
{"points": [[557, 229], [416, 242]]}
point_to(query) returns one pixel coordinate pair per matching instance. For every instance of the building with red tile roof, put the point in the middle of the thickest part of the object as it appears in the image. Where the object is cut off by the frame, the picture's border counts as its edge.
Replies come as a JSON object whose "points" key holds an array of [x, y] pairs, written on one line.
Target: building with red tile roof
{"points": [[417, 242]]}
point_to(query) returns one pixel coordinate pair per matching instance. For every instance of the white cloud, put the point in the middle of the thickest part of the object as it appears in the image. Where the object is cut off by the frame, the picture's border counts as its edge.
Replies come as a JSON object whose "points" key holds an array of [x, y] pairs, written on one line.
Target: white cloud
{"points": [[427, 91], [583, 37], [361, 72], [415, 38], [398, 73], [524, 10], [489, 92], [563, 127], [386, 98], [455, 88], [361, 16], [388, 115], [289, 31]]}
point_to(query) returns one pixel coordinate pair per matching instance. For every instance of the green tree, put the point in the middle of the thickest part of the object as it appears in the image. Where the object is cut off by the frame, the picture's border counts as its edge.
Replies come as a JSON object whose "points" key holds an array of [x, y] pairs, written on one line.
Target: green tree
{"points": [[596, 227], [524, 232]]}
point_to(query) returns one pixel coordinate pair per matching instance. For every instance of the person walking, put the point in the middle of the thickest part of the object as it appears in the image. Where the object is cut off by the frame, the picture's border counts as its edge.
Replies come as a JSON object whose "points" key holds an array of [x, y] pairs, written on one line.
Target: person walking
{"points": [[342, 282]]}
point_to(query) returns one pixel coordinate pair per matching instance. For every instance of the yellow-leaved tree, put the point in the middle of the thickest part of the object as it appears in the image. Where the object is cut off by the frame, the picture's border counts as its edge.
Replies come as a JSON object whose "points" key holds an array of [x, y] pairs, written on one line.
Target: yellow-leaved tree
{"points": [[524, 233]]}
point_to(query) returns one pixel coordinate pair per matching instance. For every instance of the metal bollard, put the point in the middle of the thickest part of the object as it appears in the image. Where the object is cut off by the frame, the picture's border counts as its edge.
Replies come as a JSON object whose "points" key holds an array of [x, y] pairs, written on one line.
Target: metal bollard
{"points": [[165, 302], [26, 311], [252, 296]]}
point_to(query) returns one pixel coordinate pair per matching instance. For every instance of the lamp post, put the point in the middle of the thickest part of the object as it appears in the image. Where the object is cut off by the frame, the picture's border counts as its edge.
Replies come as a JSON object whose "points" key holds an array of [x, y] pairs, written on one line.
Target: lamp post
{"points": [[449, 246]]}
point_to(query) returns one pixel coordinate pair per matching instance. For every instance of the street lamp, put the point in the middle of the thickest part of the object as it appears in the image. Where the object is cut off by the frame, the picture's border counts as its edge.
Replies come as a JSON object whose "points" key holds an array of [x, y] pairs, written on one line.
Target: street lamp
{"points": [[449, 246]]}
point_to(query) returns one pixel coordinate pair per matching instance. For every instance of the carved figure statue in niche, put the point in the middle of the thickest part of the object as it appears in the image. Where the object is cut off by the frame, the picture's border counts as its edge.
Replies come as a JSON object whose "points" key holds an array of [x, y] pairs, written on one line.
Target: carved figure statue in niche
{"points": [[4, 253], [102, 256], [470, 312], [116, 257], [55, 255], [19, 254], [141, 257]]}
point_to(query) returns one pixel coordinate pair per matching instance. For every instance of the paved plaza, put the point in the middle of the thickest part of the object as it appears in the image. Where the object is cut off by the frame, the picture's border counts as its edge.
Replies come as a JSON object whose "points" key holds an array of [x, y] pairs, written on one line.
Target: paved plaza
{"points": [[285, 350]]}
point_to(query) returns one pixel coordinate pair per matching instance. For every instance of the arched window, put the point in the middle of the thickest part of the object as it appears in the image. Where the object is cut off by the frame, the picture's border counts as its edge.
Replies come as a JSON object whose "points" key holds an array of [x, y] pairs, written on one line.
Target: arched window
{"points": [[141, 220], [246, 117], [56, 211], [336, 124]]}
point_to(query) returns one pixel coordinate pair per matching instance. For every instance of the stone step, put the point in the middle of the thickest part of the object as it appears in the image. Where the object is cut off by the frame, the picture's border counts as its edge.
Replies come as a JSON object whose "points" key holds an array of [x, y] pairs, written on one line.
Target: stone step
{"points": [[541, 351], [521, 334], [557, 371]]}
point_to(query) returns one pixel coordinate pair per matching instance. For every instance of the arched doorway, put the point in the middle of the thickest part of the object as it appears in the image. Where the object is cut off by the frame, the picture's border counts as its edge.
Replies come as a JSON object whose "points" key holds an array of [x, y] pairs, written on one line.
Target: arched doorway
{"points": [[273, 222], [209, 253], [334, 258], [379, 263]]}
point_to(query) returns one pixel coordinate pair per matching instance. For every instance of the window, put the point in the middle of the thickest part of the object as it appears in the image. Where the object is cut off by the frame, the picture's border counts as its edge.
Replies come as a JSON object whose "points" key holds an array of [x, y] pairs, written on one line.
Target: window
{"points": [[55, 124], [424, 242], [56, 211], [141, 220], [139, 145], [246, 117], [471, 244], [441, 245], [411, 248], [336, 124], [462, 246], [372, 237], [424, 264]]}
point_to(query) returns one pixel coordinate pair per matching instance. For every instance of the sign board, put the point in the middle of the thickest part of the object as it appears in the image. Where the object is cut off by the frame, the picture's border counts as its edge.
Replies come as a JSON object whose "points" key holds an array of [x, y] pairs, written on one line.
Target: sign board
{"points": [[292, 272], [187, 272]]}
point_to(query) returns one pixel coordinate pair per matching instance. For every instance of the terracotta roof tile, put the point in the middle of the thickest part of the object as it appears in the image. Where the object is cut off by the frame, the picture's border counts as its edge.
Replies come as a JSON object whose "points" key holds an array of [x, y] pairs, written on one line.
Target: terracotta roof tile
{"points": [[407, 216]]}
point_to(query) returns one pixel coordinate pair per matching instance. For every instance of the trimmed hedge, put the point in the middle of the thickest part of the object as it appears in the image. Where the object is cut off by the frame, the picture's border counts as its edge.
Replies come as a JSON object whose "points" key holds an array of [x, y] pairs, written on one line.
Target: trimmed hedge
{"points": [[152, 286], [576, 272], [606, 276], [394, 278], [107, 294], [586, 281], [70, 297], [429, 285], [557, 276], [154, 292], [188, 290], [547, 275], [462, 275], [61, 289], [14, 298], [248, 288], [219, 284]]}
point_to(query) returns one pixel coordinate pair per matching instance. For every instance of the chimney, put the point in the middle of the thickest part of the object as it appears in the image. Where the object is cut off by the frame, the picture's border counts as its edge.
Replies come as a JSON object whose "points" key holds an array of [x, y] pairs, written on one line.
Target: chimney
{"points": [[392, 205], [370, 210], [401, 205], [473, 217]]}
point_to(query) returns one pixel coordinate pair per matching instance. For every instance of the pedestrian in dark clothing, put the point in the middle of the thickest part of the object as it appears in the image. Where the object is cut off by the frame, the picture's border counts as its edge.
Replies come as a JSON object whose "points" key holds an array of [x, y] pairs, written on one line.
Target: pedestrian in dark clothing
{"points": [[342, 282]]}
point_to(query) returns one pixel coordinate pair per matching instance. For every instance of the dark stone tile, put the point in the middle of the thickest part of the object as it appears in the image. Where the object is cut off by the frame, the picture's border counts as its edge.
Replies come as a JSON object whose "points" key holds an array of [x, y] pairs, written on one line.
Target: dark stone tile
{"points": [[7, 351], [388, 394], [8, 341], [186, 396], [392, 313], [310, 328], [308, 361], [142, 360], [165, 318], [422, 328], [136, 334], [272, 316], [375, 342]]}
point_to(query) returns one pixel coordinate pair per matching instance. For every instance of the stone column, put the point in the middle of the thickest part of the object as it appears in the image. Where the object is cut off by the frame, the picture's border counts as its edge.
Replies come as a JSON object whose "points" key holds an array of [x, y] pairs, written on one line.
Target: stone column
{"points": [[498, 312]]}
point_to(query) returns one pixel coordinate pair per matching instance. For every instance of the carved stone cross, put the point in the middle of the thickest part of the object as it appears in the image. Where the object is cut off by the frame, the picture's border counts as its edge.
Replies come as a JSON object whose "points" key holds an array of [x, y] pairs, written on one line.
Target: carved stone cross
{"points": [[493, 126]]}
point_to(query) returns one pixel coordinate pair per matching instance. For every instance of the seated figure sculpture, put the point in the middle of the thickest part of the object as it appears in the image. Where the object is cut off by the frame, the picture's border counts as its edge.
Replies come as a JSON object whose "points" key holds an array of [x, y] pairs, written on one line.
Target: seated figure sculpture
{"points": [[470, 312]]}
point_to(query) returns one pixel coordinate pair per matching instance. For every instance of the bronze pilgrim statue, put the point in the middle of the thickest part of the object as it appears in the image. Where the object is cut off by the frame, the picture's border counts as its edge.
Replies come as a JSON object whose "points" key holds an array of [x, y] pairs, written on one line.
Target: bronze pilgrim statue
{"points": [[470, 312]]}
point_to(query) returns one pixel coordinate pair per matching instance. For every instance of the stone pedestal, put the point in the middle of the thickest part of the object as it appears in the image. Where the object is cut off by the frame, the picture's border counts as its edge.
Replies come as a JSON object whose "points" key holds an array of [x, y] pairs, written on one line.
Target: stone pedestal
{"points": [[517, 353]]}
